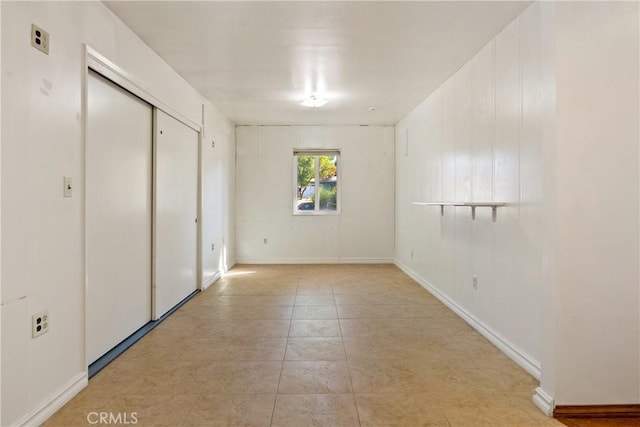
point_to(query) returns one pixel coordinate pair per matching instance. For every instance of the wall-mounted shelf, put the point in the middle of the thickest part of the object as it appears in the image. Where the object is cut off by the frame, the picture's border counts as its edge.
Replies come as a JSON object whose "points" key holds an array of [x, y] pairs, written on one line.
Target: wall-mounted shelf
{"points": [[473, 205]]}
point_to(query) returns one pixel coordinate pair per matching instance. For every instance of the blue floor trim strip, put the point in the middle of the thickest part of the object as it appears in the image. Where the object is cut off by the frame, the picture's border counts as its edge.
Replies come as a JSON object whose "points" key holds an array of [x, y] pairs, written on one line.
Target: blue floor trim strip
{"points": [[116, 351]]}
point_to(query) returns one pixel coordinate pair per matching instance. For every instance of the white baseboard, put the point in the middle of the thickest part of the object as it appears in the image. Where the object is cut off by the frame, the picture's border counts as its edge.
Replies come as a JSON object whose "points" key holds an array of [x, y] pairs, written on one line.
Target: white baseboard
{"points": [[543, 401], [527, 362], [315, 260], [40, 414], [213, 279]]}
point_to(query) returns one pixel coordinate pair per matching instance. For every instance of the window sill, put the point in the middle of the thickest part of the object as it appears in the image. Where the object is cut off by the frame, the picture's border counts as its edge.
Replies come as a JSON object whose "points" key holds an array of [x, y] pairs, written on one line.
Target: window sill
{"points": [[316, 213]]}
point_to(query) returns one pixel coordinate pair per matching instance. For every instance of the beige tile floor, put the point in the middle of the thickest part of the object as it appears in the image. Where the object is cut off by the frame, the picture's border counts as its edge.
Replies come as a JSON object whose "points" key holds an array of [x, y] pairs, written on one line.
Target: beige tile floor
{"points": [[325, 345]]}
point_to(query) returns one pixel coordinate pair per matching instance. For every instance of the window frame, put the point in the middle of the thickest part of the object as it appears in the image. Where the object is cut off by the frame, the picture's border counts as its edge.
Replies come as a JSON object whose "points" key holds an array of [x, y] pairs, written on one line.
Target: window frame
{"points": [[316, 153]]}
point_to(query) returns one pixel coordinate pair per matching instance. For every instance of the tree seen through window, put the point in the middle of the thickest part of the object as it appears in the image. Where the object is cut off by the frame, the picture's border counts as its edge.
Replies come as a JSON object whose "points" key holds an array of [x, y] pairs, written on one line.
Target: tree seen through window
{"points": [[322, 169]]}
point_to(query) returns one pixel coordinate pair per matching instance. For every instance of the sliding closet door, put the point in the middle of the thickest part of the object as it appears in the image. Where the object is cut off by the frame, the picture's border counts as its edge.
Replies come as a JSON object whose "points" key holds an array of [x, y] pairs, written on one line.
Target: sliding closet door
{"points": [[118, 214], [176, 202]]}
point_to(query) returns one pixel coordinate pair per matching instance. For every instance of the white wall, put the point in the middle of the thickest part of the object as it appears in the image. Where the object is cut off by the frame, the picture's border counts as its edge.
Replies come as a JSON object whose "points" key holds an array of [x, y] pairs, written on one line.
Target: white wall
{"points": [[598, 324], [545, 118], [218, 195], [479, 138], [362, 232], [42, 232]]}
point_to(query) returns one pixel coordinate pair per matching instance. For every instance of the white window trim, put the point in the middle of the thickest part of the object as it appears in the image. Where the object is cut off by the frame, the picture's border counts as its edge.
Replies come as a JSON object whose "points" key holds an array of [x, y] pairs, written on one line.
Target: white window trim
{"points": [[315, 152]]}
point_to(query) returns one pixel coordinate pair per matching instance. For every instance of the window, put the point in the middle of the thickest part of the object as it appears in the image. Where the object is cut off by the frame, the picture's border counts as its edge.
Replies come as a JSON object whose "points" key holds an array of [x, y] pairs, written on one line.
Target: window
{"points": [[315, 184]]}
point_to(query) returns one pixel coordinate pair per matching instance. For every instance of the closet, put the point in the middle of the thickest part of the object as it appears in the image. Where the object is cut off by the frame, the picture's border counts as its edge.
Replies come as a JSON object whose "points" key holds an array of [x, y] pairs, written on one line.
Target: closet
{"points": [[141, 207]]}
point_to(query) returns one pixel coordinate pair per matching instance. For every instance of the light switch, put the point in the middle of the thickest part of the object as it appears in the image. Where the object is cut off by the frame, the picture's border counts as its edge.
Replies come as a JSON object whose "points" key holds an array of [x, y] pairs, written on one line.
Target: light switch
{"points": [[68, 187]]}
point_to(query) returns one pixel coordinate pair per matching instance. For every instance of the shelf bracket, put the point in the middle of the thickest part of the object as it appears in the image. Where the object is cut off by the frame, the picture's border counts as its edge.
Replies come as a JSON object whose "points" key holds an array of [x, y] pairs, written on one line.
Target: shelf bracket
{"points": [[473, 205]]}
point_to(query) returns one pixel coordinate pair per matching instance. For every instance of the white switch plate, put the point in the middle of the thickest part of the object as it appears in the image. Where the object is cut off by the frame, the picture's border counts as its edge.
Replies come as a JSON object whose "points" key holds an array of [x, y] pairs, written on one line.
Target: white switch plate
{"points": [[40, 39], [68, 187], [40, 323]]}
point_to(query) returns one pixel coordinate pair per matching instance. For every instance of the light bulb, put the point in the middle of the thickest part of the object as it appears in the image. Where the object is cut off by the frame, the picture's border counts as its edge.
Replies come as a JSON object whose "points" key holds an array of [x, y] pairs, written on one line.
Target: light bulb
{"points": [[314, 102]]}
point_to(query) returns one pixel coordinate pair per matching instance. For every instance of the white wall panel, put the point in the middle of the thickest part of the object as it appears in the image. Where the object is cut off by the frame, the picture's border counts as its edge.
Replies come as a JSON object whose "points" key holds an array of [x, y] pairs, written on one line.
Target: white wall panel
{"points": [[212, 218], [507, 303], [118, 215], [482, 123], [431, 160], [218, 164], [477, 117], [417, 171], [175, 211], [402, 199], [482, 139], [531, 167], [372, 196], [462, 148], [264, 184], [448, 182]]}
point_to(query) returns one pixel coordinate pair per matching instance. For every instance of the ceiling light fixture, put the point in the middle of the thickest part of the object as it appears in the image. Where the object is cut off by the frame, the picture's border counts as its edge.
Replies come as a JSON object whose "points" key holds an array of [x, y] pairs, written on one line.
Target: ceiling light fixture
{"points": [[313, 101]]}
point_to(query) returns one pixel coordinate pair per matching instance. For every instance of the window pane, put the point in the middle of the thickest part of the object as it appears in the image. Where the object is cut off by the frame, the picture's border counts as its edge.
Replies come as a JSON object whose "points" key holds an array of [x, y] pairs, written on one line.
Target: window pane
{"points": [[328, 172], [306, 183]]}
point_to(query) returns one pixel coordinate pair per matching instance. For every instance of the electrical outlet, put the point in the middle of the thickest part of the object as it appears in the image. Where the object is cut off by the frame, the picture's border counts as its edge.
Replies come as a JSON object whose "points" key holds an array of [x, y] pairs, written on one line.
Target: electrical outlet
{"points": [[265, 240], [40, 323], [475, 282], [213, 247], [213, 144], [412, 254], [40, 39]]}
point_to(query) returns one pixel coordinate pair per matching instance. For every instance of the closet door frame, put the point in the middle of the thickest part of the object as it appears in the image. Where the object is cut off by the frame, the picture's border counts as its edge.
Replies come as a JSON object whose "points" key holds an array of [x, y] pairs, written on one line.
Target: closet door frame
{"points": [[99, 64]]}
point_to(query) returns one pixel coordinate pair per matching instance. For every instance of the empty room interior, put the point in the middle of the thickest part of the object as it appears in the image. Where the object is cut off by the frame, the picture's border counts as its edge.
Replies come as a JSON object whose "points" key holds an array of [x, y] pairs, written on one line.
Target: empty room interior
{"points": [[317, 213]]}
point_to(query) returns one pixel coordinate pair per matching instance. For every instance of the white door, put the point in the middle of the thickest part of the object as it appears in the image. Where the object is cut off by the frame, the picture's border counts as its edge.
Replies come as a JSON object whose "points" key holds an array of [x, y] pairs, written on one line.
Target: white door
{"points": [[118, 214], [176, 204]]}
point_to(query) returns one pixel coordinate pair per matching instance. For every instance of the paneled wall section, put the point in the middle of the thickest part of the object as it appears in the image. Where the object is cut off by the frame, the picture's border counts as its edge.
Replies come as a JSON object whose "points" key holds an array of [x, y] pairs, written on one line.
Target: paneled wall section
{"points": [[477, 138]]}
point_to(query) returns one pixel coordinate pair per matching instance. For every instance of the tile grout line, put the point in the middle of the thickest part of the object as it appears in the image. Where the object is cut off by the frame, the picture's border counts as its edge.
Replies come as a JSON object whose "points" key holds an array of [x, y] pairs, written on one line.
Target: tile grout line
{"points": [[344, 348], [286, 344]]}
